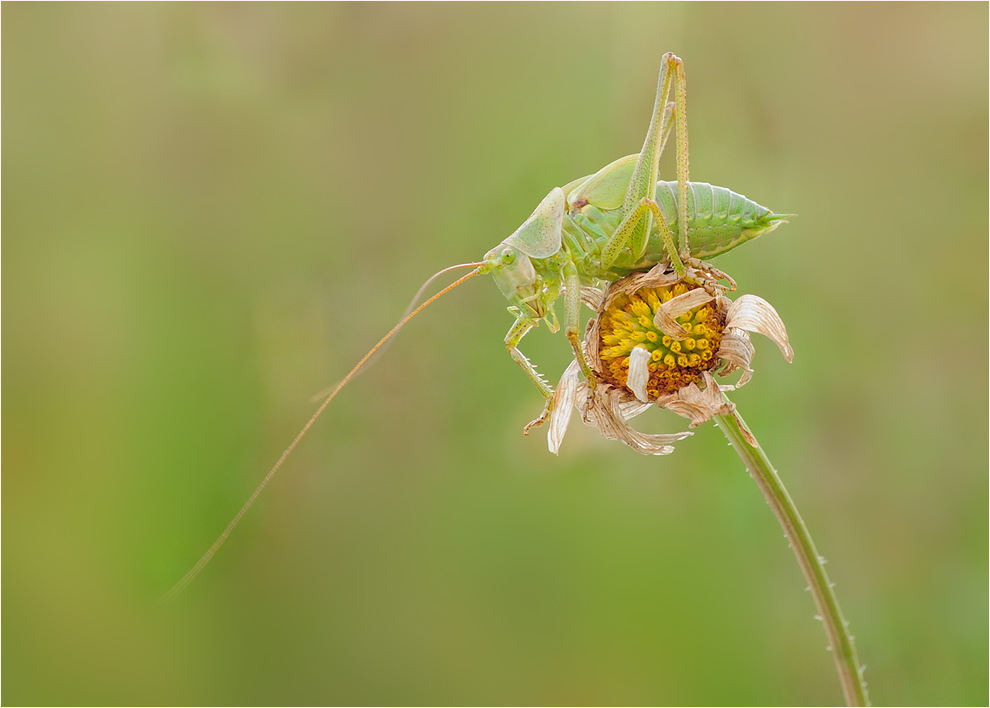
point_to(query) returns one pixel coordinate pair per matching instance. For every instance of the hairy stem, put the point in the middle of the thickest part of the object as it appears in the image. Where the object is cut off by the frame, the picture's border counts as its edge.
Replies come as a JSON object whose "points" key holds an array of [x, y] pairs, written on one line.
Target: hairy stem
{"points": [[812, 565]]}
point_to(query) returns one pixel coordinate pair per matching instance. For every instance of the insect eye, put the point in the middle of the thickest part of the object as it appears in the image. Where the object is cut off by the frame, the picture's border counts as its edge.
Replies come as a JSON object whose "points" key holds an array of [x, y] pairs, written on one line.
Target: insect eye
{"points": [[508, 255]]}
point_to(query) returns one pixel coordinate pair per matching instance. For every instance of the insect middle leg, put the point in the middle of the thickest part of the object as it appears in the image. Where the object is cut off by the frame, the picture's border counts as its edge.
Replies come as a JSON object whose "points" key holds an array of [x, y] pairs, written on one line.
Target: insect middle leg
{"points": [[572, 324]]}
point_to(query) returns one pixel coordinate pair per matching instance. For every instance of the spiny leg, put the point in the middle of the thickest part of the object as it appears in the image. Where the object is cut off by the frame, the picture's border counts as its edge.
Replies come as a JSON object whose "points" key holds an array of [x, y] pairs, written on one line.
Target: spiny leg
{"points": [[681, 143], [642, 184], [627, 227], [516, 332], [635, 227], [643, 181], [707, 275]]}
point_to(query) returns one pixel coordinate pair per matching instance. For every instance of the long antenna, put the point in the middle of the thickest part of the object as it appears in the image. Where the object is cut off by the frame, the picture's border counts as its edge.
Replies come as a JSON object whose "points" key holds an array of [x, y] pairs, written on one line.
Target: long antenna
{"points": [[195, 570], [412, 303]]}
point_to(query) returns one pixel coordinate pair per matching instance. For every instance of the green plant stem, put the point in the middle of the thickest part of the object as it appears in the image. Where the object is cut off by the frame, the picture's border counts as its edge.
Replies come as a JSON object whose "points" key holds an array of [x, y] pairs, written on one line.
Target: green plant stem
{"points": [[840, 641]]}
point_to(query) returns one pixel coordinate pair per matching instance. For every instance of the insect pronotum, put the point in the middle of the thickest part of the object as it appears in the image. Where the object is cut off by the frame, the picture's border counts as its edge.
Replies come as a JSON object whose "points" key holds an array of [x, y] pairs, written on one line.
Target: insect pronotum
{"points": [[596, 229]]}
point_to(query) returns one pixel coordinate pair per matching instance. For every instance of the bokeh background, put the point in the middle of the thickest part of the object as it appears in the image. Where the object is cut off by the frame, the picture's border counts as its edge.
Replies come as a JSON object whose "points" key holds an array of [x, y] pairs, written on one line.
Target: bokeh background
{"points": [[212, 211]]}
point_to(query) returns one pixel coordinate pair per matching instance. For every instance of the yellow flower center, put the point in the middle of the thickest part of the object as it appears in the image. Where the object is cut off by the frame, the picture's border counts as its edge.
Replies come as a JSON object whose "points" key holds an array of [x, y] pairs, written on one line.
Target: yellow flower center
{"points": [[628, 323]]}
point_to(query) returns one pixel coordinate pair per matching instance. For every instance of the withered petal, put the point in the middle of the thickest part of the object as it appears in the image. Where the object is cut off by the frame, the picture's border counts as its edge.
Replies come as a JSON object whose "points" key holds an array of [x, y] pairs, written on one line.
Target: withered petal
{"points": [[563, 401], [736, 350], [697, 404], [639, 374], [630, 409], [604, 411], [745, 431], [753, 313], [675, 307], [669, 326], [592, 297]]}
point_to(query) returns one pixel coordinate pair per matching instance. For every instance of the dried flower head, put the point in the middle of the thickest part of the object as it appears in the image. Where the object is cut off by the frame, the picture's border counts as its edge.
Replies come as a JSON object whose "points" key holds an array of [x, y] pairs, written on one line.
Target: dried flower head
{"points": [[660, 340]]}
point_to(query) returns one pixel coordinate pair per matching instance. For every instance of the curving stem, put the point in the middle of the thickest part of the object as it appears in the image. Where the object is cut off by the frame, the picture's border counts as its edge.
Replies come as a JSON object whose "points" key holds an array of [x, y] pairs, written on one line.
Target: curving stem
{"points": [[840, 641]]}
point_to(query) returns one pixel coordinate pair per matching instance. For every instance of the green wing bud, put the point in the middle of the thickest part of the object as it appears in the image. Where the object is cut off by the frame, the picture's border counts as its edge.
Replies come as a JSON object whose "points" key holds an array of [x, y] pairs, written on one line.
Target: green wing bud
{"points": [[539, 236], [606, 189]]}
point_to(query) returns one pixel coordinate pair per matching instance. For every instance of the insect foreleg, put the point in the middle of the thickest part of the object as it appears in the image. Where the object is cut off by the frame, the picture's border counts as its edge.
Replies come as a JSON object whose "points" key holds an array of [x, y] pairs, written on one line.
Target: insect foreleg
{"points": [[516, 332], [512, 339]]}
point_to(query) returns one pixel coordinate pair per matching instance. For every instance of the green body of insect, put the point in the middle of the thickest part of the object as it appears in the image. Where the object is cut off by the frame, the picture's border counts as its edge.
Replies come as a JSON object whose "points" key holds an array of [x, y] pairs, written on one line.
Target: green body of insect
{"points": [[619, 221]]}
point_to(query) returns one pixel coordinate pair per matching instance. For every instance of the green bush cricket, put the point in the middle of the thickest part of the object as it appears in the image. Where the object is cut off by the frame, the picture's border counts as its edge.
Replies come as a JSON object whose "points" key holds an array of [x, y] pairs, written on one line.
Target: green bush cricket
{"points": [[617, 221]]}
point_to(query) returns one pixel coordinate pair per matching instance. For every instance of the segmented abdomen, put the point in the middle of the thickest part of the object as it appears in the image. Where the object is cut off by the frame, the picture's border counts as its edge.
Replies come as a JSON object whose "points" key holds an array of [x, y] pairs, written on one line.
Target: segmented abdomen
{"points": [[718, 218]]}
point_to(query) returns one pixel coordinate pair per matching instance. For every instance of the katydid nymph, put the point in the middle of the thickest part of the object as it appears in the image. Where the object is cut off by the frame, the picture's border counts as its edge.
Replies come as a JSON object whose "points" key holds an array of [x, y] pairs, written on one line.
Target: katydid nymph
{"points": [[596, 229]]}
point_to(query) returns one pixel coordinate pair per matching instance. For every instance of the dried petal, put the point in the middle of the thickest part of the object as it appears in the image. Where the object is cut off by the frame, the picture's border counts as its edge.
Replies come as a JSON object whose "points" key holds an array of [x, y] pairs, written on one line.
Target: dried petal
{"points": [[604, 411], [666, 324], [592, 297], [755, 314], [737, 352], [563, 401], [631, 409], [697, 404], [639, 375], [675, 307], [744, 430]]}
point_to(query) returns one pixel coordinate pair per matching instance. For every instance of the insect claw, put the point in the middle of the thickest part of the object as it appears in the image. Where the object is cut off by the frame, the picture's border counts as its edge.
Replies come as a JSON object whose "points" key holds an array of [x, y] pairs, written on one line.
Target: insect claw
{"points": [[732, 283], [547, 409], [708, 276]]}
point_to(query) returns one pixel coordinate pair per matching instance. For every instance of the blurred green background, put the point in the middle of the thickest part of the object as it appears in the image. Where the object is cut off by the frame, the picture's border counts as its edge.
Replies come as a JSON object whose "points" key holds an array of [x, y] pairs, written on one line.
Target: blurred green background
{"points": [[212, 211]]}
